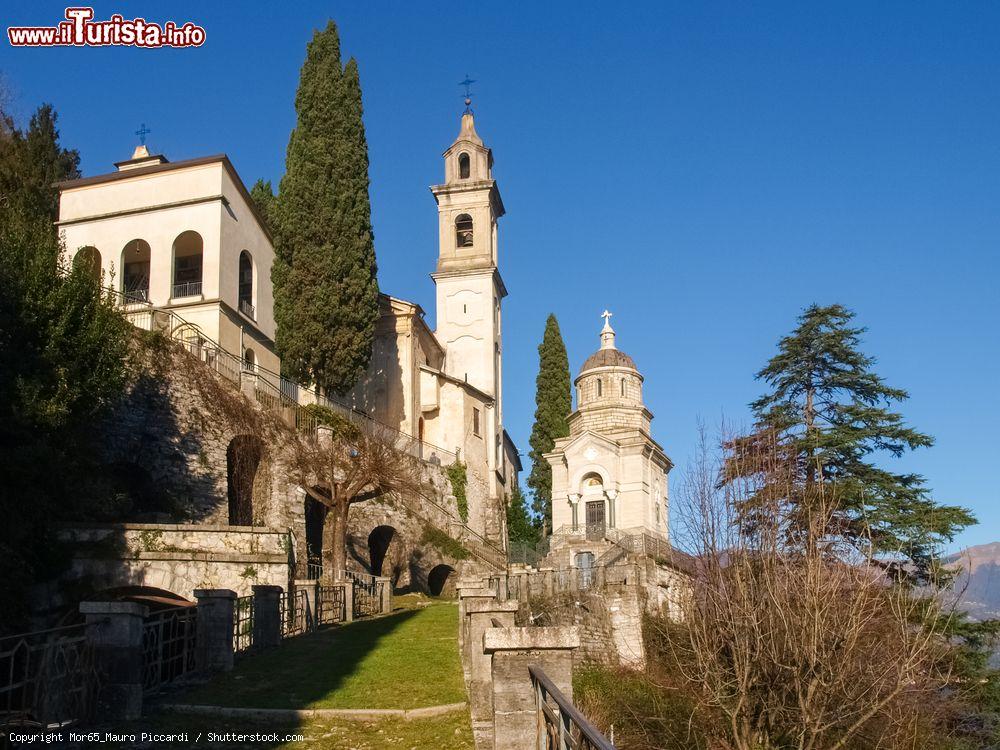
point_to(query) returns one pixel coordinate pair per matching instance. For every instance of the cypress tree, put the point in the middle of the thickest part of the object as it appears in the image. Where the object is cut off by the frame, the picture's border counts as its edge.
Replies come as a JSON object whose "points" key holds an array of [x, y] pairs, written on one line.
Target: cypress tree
{"points": [[519, 526], [826, 420], [263, 198], [324, 274], [553, 402]]}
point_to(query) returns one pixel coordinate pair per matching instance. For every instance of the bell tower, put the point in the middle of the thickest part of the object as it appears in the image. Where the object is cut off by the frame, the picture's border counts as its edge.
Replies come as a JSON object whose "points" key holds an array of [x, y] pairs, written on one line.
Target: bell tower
{"points": [[469, 287]]}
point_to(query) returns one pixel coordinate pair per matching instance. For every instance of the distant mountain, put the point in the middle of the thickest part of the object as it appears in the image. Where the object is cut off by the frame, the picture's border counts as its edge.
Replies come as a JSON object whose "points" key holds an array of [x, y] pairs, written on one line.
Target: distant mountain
{"points": [[978, 585]]}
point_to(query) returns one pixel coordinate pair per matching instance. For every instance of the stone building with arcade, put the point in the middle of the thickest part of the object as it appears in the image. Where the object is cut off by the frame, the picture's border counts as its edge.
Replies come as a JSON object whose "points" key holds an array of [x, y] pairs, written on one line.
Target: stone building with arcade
{"points": [[186, 252]]}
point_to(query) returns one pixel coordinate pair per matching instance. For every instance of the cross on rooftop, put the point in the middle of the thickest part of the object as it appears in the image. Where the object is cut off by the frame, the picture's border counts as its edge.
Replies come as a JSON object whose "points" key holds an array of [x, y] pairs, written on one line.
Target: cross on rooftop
{"points": [[607, 316], [468, 91], [142, 132]]}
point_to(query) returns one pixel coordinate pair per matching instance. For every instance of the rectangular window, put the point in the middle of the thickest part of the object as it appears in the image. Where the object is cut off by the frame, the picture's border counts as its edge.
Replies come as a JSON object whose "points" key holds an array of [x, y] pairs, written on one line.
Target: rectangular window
{"points": [[475, 421]]}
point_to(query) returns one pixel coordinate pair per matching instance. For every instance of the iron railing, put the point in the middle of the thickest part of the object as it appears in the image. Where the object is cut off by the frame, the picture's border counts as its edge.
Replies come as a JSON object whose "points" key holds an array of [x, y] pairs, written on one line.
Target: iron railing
{"points": [[187, 289], [367, 594], [330, 605], [294, 613], [248, 309], [560, 724], [242, 624], [169, 640], [47, 678], [310, 570]]}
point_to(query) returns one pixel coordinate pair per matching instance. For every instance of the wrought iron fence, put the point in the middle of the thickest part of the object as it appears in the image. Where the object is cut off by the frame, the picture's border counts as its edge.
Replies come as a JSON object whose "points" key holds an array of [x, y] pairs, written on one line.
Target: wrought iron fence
{"points": [[561, 726], [242, 624], [47, 678], [294, 613], [169, 640], [367, 594], [330, 605], [248, 309], [310, 570]]}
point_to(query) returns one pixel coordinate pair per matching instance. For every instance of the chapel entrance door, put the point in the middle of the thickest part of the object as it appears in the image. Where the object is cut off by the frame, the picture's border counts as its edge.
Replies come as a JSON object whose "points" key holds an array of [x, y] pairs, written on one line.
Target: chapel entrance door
{"points": [[595, 519]]}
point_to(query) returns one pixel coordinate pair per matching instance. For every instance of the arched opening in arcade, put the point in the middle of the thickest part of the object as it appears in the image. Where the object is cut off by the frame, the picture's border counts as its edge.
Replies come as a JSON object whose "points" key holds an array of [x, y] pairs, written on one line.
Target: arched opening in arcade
{"points": [[379, 543], [441, 581], [242, 461]]}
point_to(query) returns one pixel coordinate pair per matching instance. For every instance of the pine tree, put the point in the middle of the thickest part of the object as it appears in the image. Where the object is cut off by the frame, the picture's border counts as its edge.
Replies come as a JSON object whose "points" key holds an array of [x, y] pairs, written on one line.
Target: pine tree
{"points": [[262, 195], [828, 420], [553, 402], [324, 274]]}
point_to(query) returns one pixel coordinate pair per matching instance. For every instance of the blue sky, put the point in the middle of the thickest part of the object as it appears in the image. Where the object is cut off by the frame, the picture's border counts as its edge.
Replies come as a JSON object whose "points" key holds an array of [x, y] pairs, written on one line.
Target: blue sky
{"points": [[705, 170]]}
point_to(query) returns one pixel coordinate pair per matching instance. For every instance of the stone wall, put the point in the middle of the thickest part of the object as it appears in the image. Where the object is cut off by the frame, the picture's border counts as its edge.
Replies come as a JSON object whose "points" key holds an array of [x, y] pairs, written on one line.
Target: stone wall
{"points": [[609, 622]]}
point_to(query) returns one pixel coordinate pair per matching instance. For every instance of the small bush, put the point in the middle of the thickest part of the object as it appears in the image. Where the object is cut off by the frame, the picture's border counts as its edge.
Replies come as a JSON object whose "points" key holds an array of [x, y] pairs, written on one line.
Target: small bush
{"points": [[341, 426]]}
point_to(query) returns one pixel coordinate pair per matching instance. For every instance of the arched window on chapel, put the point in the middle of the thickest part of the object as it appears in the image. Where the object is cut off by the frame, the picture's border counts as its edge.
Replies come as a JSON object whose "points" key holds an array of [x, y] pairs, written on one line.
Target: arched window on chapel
{"points": [[463, 231], [463, 166], [599, 387]]}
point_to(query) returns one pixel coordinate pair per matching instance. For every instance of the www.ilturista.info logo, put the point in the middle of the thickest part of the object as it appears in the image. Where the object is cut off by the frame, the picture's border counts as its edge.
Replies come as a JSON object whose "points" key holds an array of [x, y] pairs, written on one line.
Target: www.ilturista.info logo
{"points": [[79, 30]]}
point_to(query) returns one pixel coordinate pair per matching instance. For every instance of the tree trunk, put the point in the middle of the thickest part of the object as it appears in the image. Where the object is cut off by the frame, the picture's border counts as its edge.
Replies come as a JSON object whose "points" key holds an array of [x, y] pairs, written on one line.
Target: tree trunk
{"points": [[335, 542]]}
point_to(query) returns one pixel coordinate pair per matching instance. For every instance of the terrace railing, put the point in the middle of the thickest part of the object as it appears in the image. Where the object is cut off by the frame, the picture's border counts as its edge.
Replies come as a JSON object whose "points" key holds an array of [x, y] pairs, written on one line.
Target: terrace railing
{"points": [[187, 289], [169, 641], [47, 678], [560, 724], [271, 390]]}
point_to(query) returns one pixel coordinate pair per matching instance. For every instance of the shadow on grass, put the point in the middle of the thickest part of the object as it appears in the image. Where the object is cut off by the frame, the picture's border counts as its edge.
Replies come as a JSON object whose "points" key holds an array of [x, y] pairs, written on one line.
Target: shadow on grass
{"points": [[301, 673]]}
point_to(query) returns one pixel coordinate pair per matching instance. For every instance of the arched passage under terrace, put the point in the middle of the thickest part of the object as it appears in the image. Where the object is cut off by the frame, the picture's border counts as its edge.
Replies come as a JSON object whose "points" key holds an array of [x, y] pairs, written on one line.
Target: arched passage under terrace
{"points": [[441, 580], [242, 461], [379, 541]]}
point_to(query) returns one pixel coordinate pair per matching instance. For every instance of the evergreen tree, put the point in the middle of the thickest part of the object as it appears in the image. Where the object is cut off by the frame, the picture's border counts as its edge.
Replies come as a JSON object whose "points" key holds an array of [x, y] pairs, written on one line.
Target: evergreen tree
{"points": [[553, 403], [64, 359], [827, 420], [324, 274], [263, 198], [519, 526], [30, 162]]}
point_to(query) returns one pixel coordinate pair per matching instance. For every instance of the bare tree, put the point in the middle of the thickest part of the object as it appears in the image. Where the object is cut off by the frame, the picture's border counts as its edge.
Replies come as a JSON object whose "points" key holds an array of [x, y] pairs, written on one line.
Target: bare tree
{"points": [[788, 643], [346, 464]]}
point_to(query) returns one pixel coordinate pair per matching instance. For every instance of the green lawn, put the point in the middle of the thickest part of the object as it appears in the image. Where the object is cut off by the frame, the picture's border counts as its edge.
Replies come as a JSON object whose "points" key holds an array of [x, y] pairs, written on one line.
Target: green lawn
{"points": [[406, 660], [449, 732]]}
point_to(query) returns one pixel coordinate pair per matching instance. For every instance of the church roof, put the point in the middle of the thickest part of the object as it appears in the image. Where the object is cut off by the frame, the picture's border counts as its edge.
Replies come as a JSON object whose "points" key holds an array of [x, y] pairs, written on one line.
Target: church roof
{"points": [[608, 358]]}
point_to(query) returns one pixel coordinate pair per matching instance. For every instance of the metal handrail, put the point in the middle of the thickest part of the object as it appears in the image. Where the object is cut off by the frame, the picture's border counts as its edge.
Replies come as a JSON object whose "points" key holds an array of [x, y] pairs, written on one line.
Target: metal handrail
{"points": [[556, 725]]}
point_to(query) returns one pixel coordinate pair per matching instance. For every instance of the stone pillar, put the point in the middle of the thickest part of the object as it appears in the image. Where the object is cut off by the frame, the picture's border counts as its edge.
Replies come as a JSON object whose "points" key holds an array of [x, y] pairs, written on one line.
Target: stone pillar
{"points": [[266, 616], [574, 500], [312, 599], [465, 598], [548, 583], [115, 631], [348, 586], [483, 615], [513, 650], [612, 494], [215, 629], [386, 604], [248, 384]]}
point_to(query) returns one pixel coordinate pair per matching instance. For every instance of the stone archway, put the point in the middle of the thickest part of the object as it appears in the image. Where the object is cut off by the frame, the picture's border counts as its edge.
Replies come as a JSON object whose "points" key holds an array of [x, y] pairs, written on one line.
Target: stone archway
{"points": [[379, 542], [441, 581], [242, 461], [315, 517]]}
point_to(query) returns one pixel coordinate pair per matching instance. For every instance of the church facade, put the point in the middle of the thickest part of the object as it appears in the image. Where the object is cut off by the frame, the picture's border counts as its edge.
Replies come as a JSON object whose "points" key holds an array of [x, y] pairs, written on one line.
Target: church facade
{"points": [[609, 476], [185, 238]]}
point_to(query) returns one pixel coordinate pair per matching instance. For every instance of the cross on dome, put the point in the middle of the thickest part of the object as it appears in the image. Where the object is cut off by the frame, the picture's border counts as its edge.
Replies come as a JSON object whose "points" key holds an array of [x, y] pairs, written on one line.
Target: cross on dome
{"points": [[607, 332]]}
